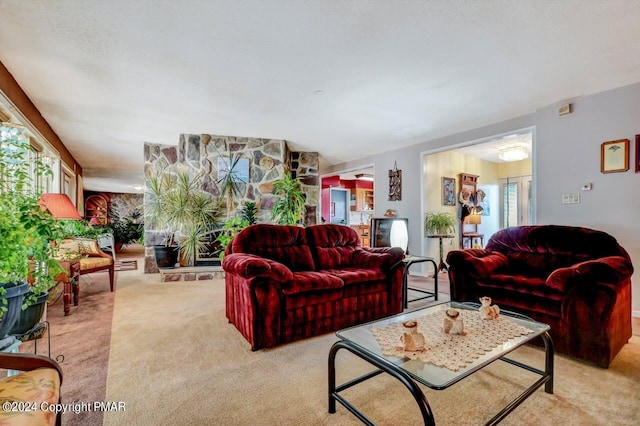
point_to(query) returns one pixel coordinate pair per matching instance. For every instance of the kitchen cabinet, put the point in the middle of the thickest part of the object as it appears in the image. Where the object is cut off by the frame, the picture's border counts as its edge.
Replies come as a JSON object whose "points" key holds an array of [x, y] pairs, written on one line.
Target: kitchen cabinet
{"points": [[363, 234], [364, 200]]}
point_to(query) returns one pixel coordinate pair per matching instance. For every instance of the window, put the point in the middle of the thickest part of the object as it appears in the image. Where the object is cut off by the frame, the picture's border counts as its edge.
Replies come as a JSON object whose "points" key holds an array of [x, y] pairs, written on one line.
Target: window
{"points": [[515, 198], [19, 153]]}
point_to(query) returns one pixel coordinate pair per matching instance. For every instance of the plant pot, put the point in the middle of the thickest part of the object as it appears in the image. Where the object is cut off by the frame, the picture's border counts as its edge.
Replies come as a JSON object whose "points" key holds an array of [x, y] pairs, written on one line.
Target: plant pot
{"points": [[166, 256], [29, 317], [14, 296]]}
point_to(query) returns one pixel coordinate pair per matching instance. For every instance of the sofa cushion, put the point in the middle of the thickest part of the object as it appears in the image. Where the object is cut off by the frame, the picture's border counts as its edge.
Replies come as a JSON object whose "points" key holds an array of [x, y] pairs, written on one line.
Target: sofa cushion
{"points": [[523, 293], [352, 276], [94, 262], [38, 386], [306, 281], [333, 245], [68, 249], [88, 246], [565, 242], [285, 244]]}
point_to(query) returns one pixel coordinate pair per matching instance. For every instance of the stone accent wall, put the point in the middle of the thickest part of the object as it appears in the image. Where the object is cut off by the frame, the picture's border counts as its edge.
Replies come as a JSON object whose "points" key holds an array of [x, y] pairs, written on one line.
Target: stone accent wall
{"points": [[305, 165], [127, 205], [268, 159]]}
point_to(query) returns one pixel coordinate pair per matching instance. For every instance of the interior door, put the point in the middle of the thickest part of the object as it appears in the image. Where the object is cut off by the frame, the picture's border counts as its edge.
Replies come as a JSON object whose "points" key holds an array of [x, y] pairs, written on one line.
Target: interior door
{"points": [[515, 201], [339, 206]]}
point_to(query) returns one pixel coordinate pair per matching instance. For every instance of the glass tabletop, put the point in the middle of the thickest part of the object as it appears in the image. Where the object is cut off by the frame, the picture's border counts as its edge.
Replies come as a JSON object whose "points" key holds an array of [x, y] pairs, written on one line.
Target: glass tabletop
{"points": [[427, 373]]}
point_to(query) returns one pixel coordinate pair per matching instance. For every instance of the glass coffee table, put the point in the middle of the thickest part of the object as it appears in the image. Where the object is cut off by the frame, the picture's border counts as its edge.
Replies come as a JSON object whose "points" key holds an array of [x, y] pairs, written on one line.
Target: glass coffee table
{"points": [[370, 342]]}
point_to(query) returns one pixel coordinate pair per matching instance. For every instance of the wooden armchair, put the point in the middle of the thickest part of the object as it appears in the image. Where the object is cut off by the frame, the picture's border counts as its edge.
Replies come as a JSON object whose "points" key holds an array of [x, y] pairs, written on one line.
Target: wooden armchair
{"points": [[38, 383], [91, 257]]}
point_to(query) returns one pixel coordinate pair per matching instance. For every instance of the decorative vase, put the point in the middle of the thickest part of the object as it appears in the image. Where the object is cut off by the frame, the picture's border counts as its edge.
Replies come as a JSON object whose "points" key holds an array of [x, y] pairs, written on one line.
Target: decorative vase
{"points": [[14, 295], [166, 256], [29, 317]]}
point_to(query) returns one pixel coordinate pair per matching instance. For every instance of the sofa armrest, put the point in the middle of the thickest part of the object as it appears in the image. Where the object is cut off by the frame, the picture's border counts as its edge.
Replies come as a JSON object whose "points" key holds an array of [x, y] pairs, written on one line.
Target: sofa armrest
{"points": [[609, 270], [478, 262], [249, 266], [383, 257]]}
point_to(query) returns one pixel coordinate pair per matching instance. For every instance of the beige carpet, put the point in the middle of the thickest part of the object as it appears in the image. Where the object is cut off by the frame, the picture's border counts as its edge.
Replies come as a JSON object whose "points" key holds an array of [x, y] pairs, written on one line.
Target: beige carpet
{"points": [[175, 360]]}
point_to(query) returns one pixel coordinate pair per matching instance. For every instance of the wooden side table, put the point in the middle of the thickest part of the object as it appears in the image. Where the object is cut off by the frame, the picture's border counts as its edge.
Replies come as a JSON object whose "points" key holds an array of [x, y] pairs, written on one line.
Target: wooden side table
{"points": [[442, 266], [472, 237], [70, 279]]}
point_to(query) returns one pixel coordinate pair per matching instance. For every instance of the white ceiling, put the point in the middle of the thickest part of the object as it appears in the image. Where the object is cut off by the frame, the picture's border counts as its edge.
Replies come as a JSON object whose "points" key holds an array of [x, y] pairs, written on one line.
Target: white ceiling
{"points": [[110, 75]]}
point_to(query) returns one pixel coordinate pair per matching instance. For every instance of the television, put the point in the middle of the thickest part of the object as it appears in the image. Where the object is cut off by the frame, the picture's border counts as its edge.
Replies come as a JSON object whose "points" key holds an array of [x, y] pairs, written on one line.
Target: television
{"points": [[390, 232]]}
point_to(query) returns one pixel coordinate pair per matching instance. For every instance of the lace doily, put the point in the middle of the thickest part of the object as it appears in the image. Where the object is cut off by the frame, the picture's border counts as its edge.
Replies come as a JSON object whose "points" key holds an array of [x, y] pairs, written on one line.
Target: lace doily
{"points": [[447, 350]]}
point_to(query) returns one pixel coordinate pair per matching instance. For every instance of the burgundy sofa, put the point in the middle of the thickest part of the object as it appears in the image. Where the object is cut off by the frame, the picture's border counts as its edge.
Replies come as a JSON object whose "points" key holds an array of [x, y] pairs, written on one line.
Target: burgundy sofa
{"points": [[575, 279], [285, 283]]}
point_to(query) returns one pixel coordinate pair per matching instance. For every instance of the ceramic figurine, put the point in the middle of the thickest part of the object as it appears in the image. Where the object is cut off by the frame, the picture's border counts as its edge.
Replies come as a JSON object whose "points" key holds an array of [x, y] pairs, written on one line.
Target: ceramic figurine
{"points": [[488, 311], [453, 323], [412, 340]]}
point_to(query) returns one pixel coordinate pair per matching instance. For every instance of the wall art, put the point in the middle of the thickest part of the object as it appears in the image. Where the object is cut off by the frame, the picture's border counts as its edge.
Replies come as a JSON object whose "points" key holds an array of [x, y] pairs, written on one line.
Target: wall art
{"points": [[614, 156], [637, 153], [395, 183], [448, 191]]}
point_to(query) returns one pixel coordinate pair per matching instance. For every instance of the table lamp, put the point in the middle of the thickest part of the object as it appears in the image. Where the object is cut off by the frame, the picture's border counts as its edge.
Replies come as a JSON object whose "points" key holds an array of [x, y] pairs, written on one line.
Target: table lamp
{"points": [[60, 206]]}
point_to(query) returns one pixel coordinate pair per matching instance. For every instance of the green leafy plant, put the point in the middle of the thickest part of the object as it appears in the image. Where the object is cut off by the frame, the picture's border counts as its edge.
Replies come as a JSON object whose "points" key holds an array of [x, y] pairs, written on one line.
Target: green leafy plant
{"points": [[229, 230], [81, 229], [27, 231], [250, 212], [125, 230], [230, 183], [440, 223], [181, 210], [290, 205]]}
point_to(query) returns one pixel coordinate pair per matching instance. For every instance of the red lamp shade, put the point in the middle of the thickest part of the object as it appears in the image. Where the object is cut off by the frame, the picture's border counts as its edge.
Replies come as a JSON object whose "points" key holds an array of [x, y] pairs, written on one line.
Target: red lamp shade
{"points": [[60, 206]]}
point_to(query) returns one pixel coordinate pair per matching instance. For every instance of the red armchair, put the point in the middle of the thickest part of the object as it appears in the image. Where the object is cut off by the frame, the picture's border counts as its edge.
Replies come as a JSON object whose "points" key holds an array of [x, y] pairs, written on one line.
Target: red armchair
{"points": [[285, 283], [577, 280]]}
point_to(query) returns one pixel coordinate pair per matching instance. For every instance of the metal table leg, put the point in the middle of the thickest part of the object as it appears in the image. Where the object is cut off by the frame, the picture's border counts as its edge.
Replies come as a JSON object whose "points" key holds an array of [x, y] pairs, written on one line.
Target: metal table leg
{"points": [[404, 378]]}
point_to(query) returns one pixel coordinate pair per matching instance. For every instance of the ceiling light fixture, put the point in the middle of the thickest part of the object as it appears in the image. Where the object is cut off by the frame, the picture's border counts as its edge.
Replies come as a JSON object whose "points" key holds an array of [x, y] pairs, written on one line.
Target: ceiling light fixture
{"points": [[364, 176], [515, 152]]}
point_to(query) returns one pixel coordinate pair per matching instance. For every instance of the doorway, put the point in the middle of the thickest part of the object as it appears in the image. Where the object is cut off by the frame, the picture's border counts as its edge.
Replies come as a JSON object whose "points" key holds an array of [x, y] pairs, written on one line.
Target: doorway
{"points": [[338, 207], [504, 195]]}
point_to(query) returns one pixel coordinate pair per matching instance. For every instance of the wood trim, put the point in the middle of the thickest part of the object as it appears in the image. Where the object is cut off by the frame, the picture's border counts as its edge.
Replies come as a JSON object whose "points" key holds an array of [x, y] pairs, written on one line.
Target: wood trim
{"points": [[12, 90]]}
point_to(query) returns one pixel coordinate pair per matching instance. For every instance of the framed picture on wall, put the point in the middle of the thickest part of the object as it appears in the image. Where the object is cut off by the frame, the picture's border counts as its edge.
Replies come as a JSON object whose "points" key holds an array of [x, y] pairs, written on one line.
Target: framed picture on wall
{"points": [[614, 156], [240, 171], [637, 153], [448, 191]]}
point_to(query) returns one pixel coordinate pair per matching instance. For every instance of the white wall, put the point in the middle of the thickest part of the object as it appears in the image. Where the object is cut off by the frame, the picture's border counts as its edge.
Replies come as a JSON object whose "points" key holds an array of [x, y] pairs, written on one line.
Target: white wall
{"points": [[566, 155]]}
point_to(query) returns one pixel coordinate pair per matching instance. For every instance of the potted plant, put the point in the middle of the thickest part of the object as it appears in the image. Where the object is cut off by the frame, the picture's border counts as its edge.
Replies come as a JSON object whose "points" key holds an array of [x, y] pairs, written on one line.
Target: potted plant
{"points": [[182, 211], [157, 217], [125, 230], [228, 232], [233, 226], [230, 183], [289, 208], [26, 230], [81, 229], [440, 223]]}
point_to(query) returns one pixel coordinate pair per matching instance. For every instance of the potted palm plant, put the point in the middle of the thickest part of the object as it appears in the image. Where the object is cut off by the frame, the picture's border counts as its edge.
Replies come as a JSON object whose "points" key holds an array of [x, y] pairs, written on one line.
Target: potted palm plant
{"points": [[230, 182], [27, 231], [182, 211], [289, 208]]}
